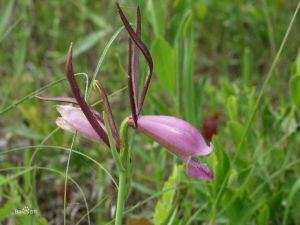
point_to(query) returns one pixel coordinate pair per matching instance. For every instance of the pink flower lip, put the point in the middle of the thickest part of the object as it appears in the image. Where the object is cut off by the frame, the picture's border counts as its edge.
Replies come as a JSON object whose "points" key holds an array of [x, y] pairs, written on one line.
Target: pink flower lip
{"points": [[180, 138]]}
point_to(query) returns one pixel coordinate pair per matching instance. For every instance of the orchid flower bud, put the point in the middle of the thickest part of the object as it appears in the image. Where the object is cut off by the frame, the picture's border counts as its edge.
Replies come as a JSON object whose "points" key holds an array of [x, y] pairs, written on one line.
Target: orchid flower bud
{"points": [[180, 138], [73, 119]]}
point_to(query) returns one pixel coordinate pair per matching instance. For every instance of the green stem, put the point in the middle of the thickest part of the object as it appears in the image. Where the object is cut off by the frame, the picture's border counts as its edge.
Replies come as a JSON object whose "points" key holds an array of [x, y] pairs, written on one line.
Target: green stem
{"points": [[121, 197], [122, 165], [123, 174]]}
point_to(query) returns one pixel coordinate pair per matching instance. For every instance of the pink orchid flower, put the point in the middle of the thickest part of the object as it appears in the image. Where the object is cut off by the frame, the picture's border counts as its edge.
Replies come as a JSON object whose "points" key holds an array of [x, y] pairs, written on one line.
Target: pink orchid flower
{"points": [[176, 135]]}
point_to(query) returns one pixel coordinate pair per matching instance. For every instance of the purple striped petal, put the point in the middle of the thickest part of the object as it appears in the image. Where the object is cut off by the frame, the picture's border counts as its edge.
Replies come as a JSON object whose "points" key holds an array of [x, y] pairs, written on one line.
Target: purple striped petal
{"points": [[178, 136], [73, 119], [199, 171]]}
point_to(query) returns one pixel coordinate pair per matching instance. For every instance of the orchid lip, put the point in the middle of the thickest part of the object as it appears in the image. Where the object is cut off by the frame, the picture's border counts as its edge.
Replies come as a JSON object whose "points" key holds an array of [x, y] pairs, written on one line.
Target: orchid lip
{"points": [[173, 133], [180, 138]]}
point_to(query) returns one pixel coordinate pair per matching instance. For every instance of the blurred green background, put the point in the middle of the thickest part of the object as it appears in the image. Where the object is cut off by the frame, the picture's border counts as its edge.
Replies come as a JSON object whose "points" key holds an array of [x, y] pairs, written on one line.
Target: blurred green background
{"points": [[211, 59]]}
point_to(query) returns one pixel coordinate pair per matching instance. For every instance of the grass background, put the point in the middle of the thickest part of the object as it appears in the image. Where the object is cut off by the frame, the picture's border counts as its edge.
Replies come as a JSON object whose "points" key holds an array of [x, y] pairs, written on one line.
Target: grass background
{"points": [[209, 56]]}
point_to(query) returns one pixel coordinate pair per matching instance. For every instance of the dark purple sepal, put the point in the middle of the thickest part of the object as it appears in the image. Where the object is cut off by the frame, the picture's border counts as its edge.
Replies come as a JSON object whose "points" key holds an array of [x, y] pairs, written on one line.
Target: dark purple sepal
{"points": [[83, 105]]}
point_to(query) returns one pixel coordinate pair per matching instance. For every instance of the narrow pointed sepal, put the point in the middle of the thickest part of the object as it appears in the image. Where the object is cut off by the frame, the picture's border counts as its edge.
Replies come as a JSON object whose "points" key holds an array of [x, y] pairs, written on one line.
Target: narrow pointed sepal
{"points": [[58, 99], [108, 111], [86, 109], [136, 38], [133, 103], [136, 59]]}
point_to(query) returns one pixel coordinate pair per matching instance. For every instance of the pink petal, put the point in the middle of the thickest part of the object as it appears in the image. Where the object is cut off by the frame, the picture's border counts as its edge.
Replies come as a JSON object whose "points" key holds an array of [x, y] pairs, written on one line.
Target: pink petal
{"points": [[199, 171], [73, 119], [178, 136]]}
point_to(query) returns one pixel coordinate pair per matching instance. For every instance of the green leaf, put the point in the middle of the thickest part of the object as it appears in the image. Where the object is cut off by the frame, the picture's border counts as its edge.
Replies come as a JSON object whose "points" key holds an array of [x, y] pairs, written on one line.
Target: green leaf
{"points": [[186, 86], [296, 65], [157, 15], [290, 199], [162, 108], [31, 219], [7, 209], [220, 164], [27, 132], [232, 108], [200, 90], [236, 131], [264, 215], [165, 203], [182, 10], [201, 9], [248, 210], [235, 209], [5, 14], [20, 51], [165, 63], [295, 90], [21, 40], [86, 43], [246, 66]]}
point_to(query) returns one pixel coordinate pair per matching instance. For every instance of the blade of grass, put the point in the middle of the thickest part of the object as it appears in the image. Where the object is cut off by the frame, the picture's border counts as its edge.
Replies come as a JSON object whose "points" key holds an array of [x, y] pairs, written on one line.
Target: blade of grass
{"points": [[91, 210], [85, 43], [111, 95], [45, 147], [266, 82], [146, 200], [101, 59], [268, 180], [27, 169], [34, 93], [188, 89], [270, 27], [2, 36], [66, 178], [290, 199], [5, 15]]}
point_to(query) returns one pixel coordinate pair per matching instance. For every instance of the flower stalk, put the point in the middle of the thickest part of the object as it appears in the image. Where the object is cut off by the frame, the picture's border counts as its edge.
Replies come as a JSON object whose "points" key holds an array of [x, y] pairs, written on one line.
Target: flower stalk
{"points": [[121, 197], [123, 165]]}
